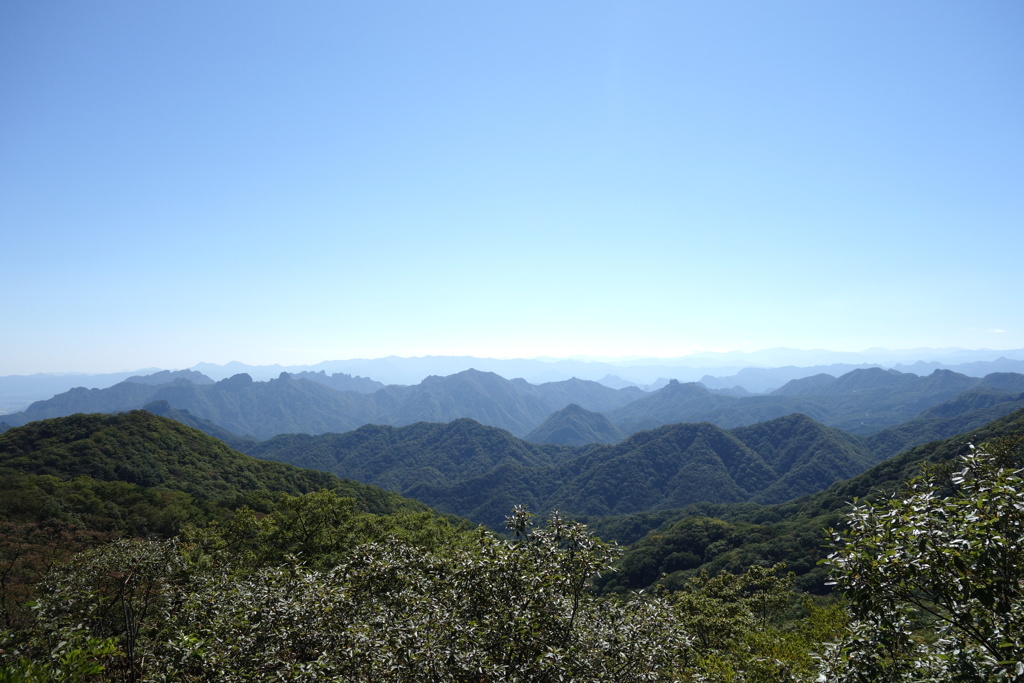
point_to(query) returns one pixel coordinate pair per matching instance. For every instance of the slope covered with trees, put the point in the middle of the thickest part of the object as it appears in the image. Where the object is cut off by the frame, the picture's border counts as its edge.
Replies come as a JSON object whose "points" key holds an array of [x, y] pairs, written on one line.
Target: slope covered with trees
{"points": [[311, 591], [671, 545], [397, 458], [576, 426], [258, 583], [69, 483], [485, 609], [475, 471], [263, 578]]}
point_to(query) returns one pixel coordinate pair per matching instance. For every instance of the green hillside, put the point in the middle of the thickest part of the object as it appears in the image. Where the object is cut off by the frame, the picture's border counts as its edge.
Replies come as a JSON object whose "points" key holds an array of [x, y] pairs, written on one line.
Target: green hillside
{"points": [[70, 483], [668, 467], [671, 545], [309, 584], [397, 458], [139, 449], [576, 426]]}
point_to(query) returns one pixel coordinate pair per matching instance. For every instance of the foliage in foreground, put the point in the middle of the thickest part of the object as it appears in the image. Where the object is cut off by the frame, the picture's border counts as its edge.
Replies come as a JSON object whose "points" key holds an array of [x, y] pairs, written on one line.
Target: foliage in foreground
{"points": [[935, 576], [217, 607], [314, 590]]}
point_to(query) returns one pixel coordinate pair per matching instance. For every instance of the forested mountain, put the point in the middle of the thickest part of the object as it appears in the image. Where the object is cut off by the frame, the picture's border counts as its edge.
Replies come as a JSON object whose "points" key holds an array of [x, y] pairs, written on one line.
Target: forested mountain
{"points": [[138, 473], [482, 396], [397, 458], [262, 409], [576, 426], [675, 465], [320, 578], [120, 397], [864, 401], [237, 404], [71, 482], [164, 409], [669, 466], [970, 410], [806, 455], [675, 402], [673, 544], [476, 471]]}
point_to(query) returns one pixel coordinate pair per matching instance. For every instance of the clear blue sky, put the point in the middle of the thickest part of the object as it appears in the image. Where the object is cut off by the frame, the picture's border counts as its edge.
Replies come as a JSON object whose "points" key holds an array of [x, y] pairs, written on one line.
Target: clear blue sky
{"points": [[293, 182]]}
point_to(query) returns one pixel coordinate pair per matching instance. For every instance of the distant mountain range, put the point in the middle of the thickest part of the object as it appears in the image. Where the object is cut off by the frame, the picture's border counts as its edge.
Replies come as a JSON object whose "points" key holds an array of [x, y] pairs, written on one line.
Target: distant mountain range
{"points": [[861, 402], [475, 471], [297, 404], [755, 372]]}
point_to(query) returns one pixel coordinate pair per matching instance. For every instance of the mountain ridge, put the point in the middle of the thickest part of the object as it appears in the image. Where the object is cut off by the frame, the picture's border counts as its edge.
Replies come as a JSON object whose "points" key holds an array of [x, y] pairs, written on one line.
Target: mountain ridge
{"points": [[757, 372], [862, 402], [670, 466]]}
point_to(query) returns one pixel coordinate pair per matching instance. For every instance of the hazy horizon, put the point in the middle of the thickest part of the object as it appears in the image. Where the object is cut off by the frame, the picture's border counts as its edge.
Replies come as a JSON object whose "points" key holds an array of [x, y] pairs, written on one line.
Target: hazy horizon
{"points": [[697, 359], [270, 183]]}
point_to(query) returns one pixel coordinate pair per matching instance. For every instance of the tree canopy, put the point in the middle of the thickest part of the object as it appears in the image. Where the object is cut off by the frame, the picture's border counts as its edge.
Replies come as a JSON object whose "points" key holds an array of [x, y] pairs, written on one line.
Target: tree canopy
{"points": [[935, 575]]}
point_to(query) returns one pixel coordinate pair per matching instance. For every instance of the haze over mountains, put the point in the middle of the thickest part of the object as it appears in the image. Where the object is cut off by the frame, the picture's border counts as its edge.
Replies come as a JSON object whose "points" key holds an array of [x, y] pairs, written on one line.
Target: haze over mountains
{"points": [[476, 444], [756, 372], [860, 402]]}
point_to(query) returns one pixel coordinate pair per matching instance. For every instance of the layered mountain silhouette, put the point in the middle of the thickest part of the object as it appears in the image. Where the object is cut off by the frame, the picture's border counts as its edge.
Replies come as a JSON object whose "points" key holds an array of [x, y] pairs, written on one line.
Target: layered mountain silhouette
{"points": [[291, 404], [863, 402], [970, 410], [136, 472], [476, 471], [165, 376]]}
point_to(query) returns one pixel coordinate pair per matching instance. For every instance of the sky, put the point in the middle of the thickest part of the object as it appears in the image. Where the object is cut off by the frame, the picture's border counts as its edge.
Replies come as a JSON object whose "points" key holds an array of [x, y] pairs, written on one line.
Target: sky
{"points": [[271, 182]]}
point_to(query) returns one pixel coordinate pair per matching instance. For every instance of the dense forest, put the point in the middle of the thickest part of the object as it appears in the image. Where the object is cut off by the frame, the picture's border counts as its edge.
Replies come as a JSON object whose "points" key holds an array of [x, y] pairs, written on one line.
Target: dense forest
{"points": [[137, 548]]}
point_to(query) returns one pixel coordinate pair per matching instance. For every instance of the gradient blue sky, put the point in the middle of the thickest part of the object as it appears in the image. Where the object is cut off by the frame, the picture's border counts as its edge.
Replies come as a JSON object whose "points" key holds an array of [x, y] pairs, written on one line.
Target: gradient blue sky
{"points": [[293, 182]]}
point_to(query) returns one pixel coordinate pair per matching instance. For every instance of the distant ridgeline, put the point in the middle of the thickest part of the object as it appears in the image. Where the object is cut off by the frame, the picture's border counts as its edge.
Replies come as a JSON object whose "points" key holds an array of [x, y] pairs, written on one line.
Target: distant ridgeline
{"points": [[572, 412]]}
